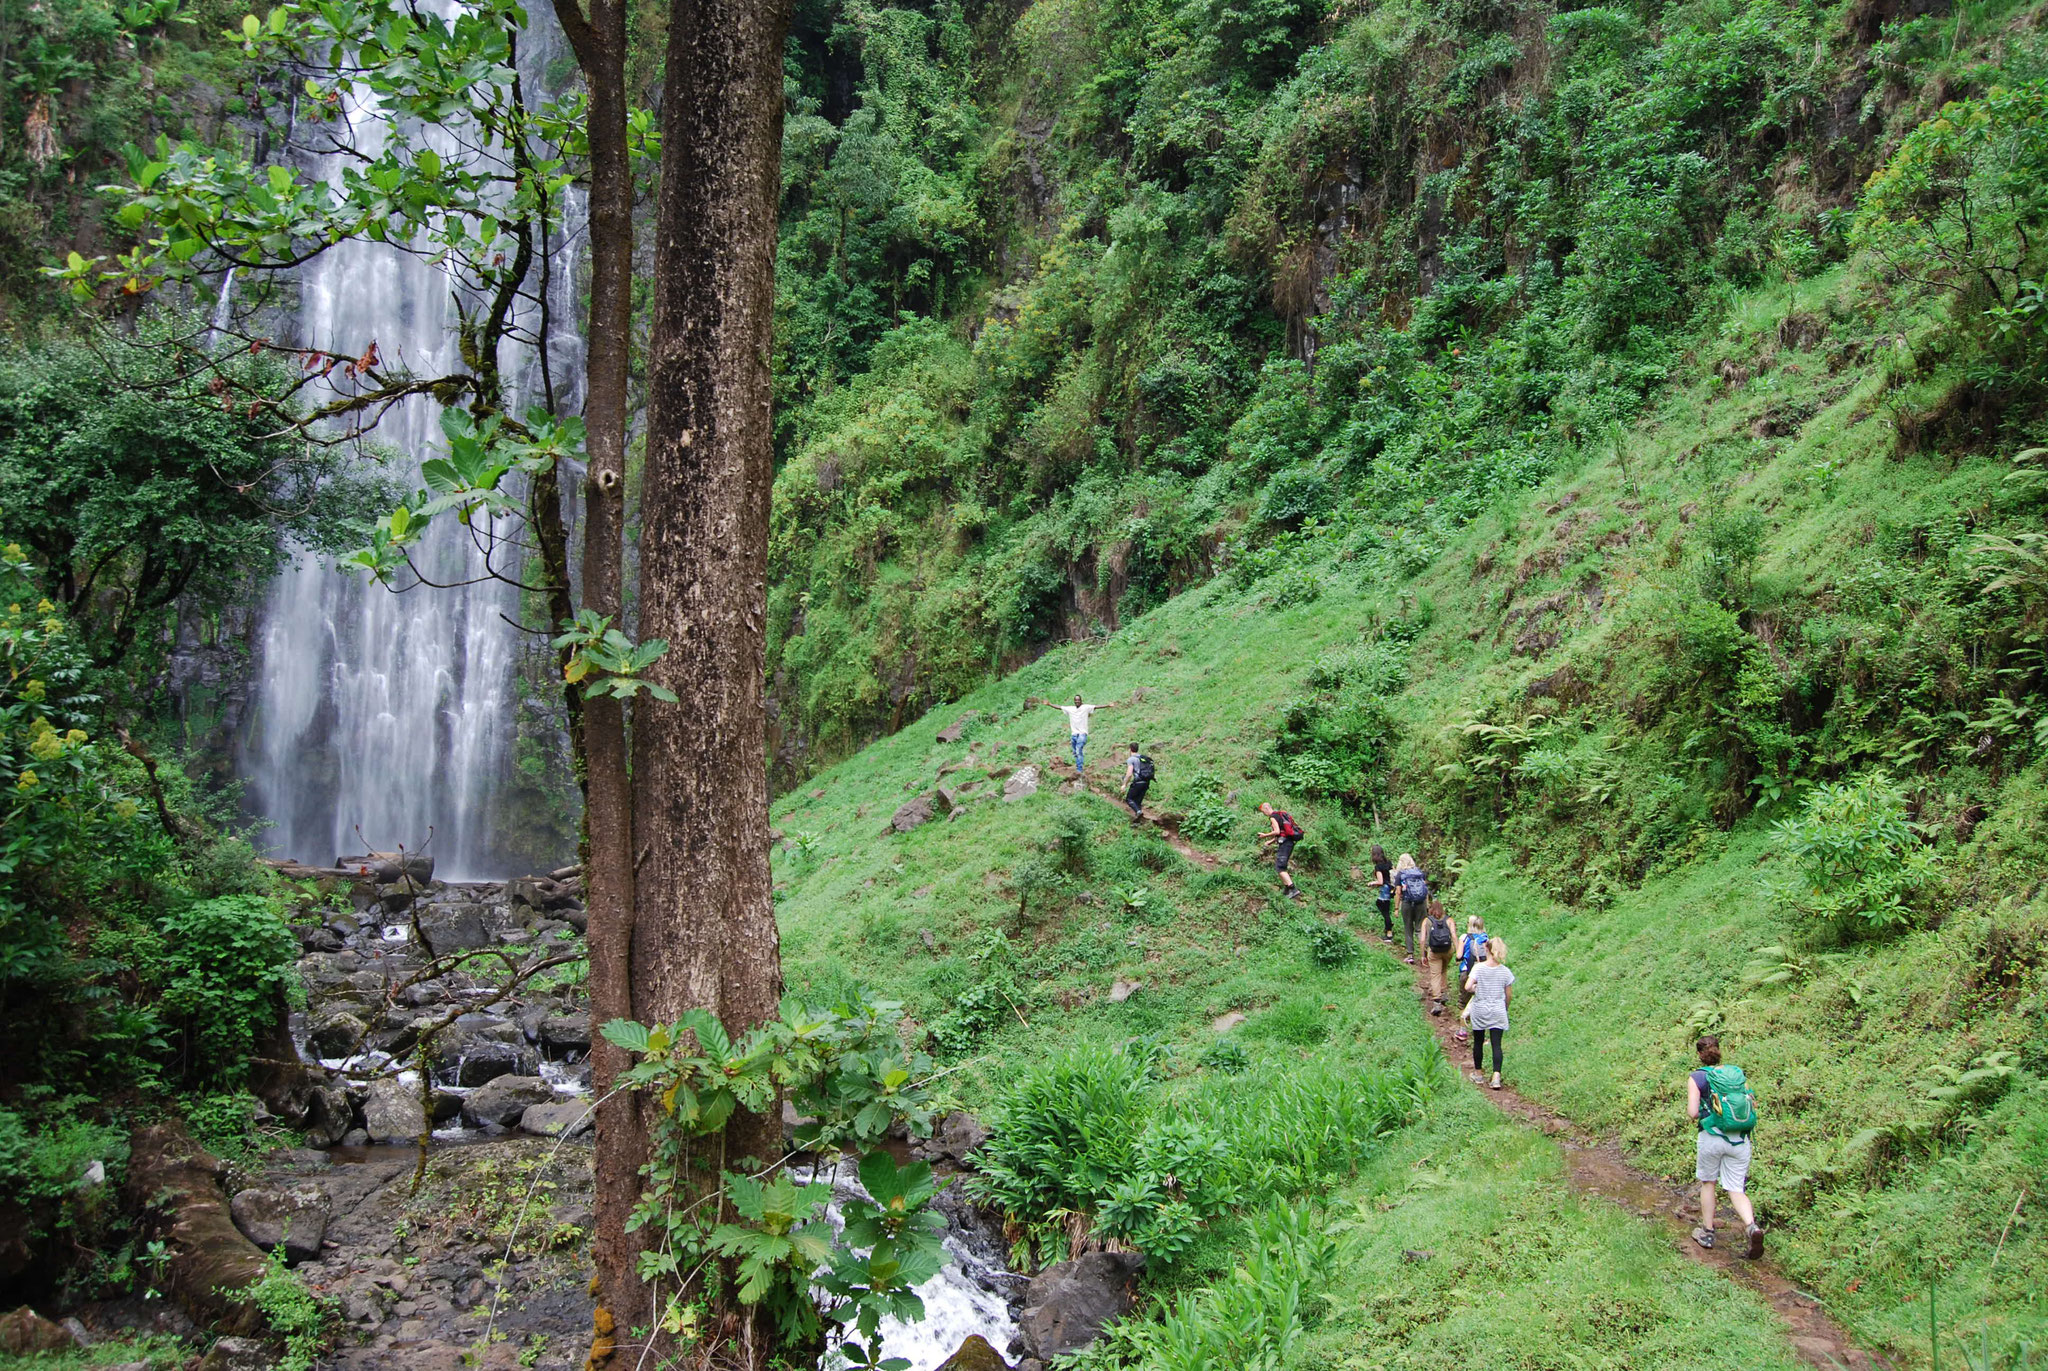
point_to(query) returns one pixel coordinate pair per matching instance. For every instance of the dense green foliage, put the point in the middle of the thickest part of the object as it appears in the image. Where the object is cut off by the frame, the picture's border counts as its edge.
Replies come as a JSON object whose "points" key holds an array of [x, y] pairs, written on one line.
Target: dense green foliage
{"points": [[147, 478], [1076, 309]]}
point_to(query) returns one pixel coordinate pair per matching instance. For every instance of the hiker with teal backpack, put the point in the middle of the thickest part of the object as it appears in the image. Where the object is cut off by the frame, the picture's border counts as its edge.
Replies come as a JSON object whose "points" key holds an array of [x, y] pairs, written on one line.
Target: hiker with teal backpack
{"points": [[1718, 1099], [1471, 952]]}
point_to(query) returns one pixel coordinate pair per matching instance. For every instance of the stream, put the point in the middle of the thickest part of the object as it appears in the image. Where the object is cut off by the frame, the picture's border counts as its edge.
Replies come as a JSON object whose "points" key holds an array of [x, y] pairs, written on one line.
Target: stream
{"points": [[421, 1278]]}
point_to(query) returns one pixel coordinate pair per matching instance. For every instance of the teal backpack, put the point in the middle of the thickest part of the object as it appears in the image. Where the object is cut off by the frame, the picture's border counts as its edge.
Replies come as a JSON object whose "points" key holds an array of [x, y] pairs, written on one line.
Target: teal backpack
{"points": [[1726, 1106]]}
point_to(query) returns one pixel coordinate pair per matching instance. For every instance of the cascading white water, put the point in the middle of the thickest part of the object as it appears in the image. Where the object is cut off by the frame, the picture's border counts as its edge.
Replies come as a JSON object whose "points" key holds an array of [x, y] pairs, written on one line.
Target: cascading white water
{"points": [[380, 717]]}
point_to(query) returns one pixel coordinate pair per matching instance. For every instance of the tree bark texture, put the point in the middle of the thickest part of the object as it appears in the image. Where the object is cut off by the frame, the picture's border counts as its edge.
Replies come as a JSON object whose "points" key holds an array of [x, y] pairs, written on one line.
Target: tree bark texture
{"points": [[599, 43], [704, 928]]}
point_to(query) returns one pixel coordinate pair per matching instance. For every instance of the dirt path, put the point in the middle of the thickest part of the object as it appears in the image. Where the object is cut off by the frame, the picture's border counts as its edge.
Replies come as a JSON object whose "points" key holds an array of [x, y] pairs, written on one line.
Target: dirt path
{"points": [[1594, 1167], [1167, 824]]}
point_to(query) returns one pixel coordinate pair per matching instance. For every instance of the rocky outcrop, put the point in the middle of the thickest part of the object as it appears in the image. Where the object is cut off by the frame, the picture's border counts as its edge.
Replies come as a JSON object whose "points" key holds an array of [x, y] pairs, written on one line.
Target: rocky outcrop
{"points": [[1021, 784], [294, 1219], [1067, 1306], [565, 1032], [238, 1354]]}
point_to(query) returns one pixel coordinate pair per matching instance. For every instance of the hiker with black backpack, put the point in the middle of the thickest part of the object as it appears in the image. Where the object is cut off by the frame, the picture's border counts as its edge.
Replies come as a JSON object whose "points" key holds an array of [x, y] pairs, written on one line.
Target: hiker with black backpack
{"points": [[1413, 887], [1137, 780], [1719, 1102], [1439, 937], [1284, 834]]}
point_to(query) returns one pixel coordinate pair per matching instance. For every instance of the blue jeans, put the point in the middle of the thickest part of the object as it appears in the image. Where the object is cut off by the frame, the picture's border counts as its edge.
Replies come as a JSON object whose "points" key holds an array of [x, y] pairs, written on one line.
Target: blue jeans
{"points": [[1080, 741]]}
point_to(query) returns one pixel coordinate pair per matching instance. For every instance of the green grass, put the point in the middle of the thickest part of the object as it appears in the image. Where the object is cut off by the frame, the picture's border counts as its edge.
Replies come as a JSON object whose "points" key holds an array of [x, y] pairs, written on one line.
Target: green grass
{"points": [[1616, 962]]}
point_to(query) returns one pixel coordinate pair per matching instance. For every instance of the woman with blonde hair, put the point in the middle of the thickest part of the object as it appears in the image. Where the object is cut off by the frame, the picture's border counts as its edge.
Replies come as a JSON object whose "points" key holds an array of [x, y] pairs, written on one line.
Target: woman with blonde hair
{"points": [[1414, 889], [1492, 986]]}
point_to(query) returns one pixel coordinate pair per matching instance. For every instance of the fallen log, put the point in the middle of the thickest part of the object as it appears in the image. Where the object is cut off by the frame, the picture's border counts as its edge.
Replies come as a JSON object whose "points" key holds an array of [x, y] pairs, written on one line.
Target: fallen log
{"points": [[210, 1262]]}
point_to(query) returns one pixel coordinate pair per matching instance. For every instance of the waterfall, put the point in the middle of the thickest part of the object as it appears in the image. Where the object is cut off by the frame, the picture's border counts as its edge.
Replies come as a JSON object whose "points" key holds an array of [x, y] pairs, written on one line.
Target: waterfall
{"points": [[380, 715]]}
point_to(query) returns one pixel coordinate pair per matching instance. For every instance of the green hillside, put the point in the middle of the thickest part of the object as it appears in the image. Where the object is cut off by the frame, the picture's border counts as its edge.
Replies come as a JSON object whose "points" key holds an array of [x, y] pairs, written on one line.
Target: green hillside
{"points": [[1595, 706]]}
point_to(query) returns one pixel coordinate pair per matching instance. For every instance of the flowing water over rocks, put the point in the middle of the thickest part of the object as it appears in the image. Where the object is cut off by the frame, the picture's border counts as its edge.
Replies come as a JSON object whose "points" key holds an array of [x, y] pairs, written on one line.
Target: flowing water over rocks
{"points": [[478, 985]]}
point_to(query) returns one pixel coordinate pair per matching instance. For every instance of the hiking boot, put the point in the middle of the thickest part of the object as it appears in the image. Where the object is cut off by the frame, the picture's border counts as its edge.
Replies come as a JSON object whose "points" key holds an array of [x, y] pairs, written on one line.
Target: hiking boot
{"points": [[1436, 1011], [1755, 1235], [1292, 893], [1704, 1237], [1411, 961]]}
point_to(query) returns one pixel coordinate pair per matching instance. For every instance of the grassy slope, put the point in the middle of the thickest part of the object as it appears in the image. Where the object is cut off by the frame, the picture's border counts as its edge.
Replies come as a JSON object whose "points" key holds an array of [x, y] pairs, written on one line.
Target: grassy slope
{"points": [[1601, 1015]]}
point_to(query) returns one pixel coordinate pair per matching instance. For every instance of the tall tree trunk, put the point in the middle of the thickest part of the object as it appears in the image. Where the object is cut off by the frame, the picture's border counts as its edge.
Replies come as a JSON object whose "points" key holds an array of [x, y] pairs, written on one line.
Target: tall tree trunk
{"points": [[600, 46], [704, 927]]}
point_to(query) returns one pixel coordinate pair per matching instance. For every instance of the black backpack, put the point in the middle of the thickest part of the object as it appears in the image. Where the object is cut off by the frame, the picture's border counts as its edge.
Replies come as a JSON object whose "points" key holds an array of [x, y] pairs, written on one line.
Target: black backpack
{"points": [[1439, 934], [1144, 771], [1288, 828]]}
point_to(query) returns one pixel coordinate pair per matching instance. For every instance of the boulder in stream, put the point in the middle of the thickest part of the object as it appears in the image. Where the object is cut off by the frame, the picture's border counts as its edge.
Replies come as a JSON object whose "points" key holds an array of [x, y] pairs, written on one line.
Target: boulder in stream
{"points": [[294, 1219], [1067, 1306], [566, 1032], [975, 1355], [453, 928], [503, 1099], [392, 1113], [337, 1033], [568, 1118]]}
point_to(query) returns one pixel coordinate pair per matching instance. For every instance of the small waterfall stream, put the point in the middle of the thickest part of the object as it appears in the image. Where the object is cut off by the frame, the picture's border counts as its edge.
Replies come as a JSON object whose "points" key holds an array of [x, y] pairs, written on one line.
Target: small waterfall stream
{"points": [[380, 715]]}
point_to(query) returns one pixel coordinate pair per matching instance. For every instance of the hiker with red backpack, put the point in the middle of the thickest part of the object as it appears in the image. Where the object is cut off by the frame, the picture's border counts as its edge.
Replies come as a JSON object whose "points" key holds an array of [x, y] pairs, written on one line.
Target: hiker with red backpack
{"points": [[1284, 834], [1719, 1102]]}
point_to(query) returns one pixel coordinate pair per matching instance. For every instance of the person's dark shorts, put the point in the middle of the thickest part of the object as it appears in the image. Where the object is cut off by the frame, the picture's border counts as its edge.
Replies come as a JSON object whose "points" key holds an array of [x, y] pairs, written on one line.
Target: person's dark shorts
{"points": [[1135, 797], [1282, 853]]}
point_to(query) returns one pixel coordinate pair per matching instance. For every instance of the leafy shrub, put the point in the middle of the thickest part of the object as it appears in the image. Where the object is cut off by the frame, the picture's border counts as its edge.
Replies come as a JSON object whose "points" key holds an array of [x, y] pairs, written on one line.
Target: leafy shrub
{"points": [[1330, 946], [1297, 586], [1205, 815], [1226, 1055], [49, 1163], [293, 1312], [1294, 495], [229, 964], [1859, 862], [976, 1009], [1062, 1130]]}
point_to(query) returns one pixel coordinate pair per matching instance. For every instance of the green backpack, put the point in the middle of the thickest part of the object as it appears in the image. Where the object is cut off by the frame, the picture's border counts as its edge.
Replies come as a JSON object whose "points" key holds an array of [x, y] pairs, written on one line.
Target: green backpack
{"points": [[1726, 1106]]}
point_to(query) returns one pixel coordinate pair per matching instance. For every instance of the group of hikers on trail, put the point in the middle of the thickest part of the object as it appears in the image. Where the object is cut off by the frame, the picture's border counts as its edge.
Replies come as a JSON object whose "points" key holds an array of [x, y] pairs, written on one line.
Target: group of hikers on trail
{"points": [[1718, 1098]]}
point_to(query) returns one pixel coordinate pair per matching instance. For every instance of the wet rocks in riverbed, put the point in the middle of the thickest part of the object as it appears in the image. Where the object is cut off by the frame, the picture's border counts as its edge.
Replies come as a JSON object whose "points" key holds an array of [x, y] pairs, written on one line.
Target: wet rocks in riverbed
{"points": [[565, 1033], [294, 1219], [453, 928], [503, 1099], [337, 1033], [392, 1112], [1067, 1305], [238, 1354], [570, 1117]]}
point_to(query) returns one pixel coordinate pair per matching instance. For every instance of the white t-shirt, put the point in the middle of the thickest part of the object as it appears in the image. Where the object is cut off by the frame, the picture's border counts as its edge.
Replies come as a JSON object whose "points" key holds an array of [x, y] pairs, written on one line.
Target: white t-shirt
{"points": [[1077, 717]]}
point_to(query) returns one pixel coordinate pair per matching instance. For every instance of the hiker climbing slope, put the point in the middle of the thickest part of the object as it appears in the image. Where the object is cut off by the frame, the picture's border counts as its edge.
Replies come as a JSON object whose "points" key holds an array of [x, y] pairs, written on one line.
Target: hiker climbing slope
{"points": [[1413, 888], [1137, 780], [1283, 835]]}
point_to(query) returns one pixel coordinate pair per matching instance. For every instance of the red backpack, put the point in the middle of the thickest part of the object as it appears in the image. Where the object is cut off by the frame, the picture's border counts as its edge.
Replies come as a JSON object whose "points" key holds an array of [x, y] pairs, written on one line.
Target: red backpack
{"points": [[1288, 828]]}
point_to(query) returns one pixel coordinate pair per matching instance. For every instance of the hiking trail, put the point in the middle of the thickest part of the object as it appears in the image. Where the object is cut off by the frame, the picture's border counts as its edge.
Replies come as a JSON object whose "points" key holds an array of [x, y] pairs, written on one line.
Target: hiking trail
{"points": [[1594, 1167]]}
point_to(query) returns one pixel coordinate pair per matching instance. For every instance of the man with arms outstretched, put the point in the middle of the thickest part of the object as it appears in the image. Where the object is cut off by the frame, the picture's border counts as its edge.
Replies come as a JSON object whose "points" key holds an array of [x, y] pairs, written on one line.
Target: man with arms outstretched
{"points": [[1077, 725]]}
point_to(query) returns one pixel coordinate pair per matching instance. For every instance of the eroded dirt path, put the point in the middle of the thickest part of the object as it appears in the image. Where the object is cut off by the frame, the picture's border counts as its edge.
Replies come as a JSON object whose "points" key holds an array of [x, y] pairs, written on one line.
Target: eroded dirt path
{"points": [[1595, 1167], [1168, 824]]}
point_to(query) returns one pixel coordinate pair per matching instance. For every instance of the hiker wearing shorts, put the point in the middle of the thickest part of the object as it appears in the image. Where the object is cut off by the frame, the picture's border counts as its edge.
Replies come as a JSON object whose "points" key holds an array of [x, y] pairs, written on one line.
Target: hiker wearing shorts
{"points": [[1383, 890], [1413, 888], [1439, 942], [1137, 780], [1492, 986], [1077, 726], [1718, 1101], [1284, 834]]}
